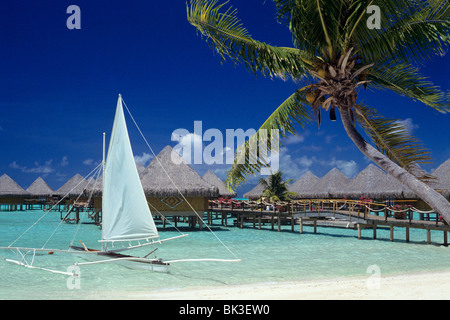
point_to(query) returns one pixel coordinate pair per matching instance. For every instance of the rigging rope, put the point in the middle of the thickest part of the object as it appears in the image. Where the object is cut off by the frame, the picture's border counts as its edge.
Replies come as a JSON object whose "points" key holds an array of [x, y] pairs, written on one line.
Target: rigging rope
{"points": [[89, 181], [49, 210], [173, 183], [97, 175]]}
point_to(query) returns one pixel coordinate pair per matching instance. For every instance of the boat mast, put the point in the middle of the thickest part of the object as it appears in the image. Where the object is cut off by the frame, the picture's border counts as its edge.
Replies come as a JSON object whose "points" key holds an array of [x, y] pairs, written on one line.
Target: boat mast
{"points": [[103, 161], [103, 179]]}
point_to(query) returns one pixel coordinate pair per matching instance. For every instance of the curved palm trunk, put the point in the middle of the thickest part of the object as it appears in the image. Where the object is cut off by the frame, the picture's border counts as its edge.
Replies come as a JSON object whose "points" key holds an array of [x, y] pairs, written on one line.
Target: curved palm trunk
{"points": [[425, 192]]}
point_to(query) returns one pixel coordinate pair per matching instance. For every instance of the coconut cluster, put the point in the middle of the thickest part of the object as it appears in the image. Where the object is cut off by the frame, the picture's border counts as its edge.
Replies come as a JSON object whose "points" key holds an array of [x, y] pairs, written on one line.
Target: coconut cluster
{"points": [[337, 85]]}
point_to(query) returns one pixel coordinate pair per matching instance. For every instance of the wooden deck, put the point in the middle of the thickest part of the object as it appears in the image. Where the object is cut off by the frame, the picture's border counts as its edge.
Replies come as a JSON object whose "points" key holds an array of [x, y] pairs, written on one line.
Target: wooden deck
{"points": [[331, 217]]}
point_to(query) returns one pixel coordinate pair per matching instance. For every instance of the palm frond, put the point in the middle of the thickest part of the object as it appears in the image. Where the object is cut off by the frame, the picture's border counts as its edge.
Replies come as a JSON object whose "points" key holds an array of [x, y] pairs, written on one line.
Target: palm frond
{"points": [[407, 80], [392, 139], [230, 38], [414, 31], [292, 112], [311, 24]]}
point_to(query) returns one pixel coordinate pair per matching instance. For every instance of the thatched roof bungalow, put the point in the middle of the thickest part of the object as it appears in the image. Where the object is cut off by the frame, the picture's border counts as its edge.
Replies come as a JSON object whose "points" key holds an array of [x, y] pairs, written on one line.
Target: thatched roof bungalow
{"points": [[140, 168], [168, 175], [255, 193], [214, 180], [183, 178], [391, 188], [303, 186], [11, 192], [442, 175], [74, 187], [40, 188], [365, 183], [331, 185], [10, 188]]}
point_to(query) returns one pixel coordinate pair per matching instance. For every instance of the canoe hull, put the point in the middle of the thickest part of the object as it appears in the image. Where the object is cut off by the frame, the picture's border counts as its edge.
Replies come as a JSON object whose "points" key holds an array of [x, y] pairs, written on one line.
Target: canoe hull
{"points": [[130, 262]]}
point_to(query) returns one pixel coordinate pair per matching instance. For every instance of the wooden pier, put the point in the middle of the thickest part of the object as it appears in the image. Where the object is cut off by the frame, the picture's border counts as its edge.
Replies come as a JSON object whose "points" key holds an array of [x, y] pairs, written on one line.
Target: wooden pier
{"points": [[316, 213]]}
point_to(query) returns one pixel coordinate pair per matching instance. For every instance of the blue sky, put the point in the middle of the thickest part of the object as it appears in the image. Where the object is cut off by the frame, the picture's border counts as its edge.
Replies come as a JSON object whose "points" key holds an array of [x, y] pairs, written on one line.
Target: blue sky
{"points": [[59, 89]]}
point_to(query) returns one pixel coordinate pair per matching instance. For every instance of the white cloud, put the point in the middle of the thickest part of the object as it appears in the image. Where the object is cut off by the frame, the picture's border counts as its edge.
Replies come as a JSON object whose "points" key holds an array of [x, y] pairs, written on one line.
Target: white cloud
{"points": [[300, 165], [306, 162], [187, 143], [293, 139], [409, 125], [64, 162], [144, 158], [329, 138], [88, 162], [349, 168], [44, 169], [292, 168]]}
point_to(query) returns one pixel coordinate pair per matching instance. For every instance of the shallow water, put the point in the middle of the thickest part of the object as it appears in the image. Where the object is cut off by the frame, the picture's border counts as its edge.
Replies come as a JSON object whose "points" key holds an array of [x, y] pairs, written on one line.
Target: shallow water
{"points": [[267, 256]]}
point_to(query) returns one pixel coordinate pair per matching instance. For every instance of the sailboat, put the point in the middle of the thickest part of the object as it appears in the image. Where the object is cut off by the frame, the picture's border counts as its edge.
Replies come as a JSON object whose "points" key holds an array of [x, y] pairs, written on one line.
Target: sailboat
{"points": [[125, 211], [127, 222]]}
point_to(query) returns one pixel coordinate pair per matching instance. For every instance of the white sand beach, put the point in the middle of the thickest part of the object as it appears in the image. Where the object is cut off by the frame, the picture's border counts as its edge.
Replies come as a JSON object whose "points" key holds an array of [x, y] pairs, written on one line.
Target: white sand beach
{"points": [[409, 287]]}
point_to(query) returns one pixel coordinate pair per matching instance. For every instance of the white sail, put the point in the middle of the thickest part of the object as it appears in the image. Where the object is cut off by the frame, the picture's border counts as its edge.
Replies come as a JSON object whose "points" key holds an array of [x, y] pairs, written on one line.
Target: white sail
{"points": [[126, 215]]}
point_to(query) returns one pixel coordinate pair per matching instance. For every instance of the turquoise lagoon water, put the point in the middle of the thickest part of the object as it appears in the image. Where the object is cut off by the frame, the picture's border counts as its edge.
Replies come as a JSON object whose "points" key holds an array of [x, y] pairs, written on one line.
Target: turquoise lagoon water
{"points": [[267, 257]]}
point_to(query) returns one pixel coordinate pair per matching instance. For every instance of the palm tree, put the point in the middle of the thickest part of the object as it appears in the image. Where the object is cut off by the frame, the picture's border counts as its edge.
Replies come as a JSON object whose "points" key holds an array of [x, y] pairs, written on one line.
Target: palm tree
{"points": [[275, 188], [334, 54]]}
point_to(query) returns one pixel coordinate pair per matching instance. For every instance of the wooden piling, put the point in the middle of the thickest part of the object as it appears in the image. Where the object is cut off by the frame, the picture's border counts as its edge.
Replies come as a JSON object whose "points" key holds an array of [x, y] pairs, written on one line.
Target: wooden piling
{"points": [[301, 225], [77, 215], [407, 234], [392, 233]]}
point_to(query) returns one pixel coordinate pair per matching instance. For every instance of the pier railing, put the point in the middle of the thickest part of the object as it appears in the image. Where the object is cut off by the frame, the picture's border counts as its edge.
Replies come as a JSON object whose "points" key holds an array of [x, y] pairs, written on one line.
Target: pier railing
{"points": [[401, 209]]}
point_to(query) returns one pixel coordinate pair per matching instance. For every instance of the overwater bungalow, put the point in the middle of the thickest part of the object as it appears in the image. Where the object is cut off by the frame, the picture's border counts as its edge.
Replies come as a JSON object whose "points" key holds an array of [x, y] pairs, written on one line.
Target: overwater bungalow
{"points": [[166, 176], [12, 196], [40, 194], [140, 168], [74, 187], [214, 180], [255, 193], [332, 185], [365, 183], [40, 188], [303, 185], [442, 182]]}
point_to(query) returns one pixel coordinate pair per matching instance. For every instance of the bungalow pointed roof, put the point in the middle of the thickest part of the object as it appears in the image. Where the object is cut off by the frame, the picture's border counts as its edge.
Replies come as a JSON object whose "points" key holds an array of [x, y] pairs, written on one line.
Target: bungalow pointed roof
{"points": [[40, 188], [366, 182], [303, 185], [331, 185], [8, 187], [140, 168], [256, 192], [168, 162], [75, 186], [391, 188], [442, 175], [211, 178]]}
